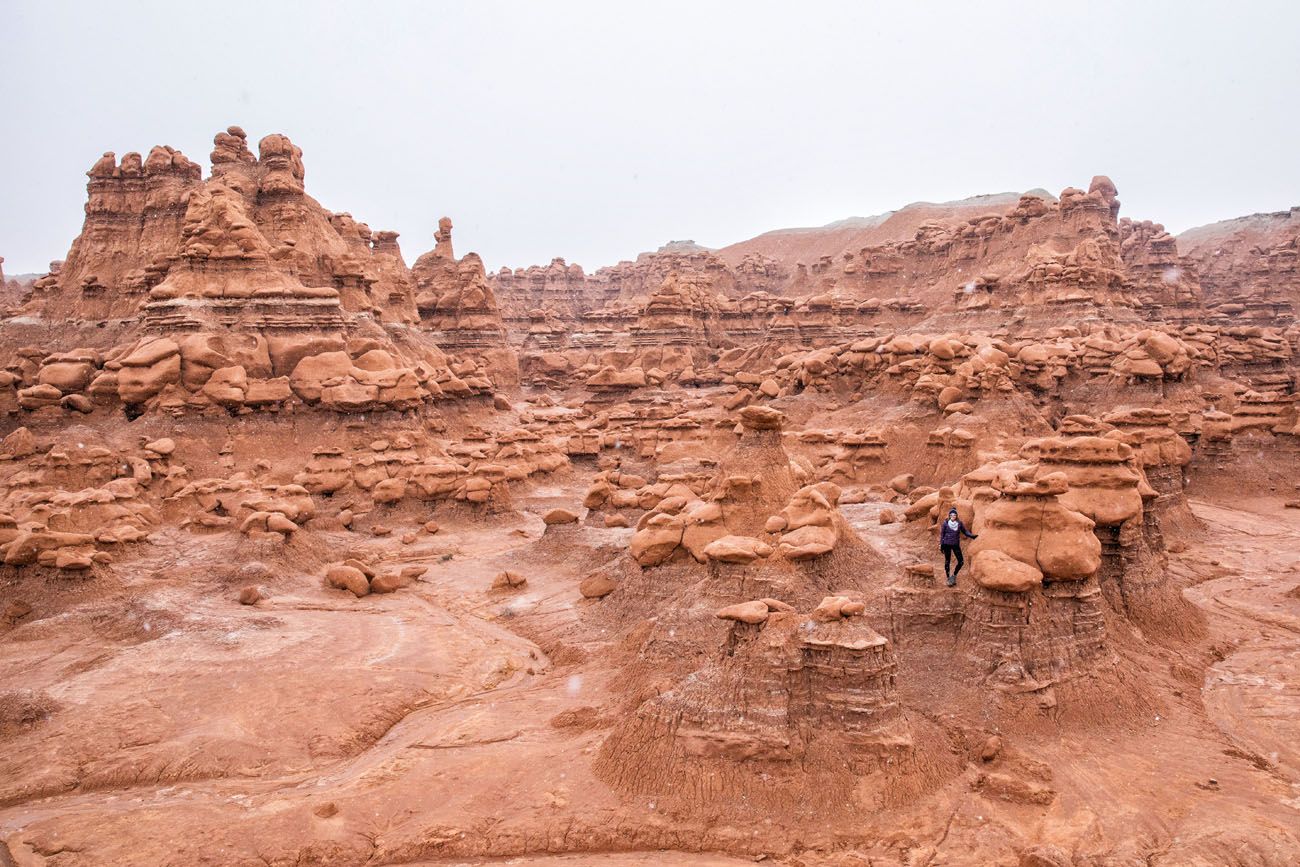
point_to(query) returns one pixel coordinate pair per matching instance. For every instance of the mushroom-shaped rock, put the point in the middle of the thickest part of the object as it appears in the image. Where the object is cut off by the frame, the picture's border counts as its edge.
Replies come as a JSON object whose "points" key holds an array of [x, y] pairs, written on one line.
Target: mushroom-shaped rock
{"points": [[1103, 185], [1145, 367], [810, 522], [1029, 523], [70, 559], [39, 397], [78, 402], [227, 386], [762, 418], [148, 370], [949, 396], [943, 348]]}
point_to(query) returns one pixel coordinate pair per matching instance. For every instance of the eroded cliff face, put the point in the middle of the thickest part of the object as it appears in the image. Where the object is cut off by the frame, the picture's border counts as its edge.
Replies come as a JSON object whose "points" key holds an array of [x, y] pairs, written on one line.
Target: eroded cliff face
{"points": [[1250, 266], [649, 555], [241, 293], [139, 219], [1045, 270], [459, 308], [134, 213]]}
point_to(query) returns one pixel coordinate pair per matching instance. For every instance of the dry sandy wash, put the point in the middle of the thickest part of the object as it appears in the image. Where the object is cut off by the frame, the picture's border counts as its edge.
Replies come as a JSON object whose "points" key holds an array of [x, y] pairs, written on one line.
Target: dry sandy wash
{"points": [[311, 557]]}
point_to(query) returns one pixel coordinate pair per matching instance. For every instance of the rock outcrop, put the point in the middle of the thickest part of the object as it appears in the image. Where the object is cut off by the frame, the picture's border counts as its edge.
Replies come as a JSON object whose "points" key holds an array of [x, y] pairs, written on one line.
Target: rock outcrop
{"points": [[799, 689]]}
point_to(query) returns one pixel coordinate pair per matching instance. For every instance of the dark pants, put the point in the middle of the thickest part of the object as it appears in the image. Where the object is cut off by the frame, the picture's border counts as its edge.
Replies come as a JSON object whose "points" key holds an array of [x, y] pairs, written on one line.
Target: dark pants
{"points": [[948, 552]]}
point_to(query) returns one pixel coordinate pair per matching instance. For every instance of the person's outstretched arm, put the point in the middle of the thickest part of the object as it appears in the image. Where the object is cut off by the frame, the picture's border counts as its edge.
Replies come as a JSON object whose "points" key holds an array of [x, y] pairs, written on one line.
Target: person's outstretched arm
{"points": [[968, 533]]}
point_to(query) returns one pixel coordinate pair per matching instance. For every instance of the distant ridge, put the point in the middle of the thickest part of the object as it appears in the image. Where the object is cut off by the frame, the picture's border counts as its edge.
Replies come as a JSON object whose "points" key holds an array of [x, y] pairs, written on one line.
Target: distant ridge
{"points": [[807, 244]]}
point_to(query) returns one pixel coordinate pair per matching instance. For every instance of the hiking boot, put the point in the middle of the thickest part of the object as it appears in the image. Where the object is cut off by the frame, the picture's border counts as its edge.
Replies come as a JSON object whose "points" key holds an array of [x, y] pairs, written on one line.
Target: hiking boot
{"points": [[952, 580]]}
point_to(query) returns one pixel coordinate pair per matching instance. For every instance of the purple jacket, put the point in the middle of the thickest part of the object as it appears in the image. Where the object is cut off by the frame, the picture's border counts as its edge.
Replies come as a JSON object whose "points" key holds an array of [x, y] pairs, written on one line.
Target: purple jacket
{"points": [[949, 536]]}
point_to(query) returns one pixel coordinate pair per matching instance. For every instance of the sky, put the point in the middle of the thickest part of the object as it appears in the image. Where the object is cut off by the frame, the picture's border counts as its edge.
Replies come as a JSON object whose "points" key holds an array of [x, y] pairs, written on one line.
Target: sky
{"points": [[597, 130]]}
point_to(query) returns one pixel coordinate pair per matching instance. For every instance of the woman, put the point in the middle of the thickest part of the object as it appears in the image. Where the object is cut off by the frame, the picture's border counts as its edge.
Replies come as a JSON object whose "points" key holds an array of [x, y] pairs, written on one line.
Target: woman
{"points": [[950, 533]]}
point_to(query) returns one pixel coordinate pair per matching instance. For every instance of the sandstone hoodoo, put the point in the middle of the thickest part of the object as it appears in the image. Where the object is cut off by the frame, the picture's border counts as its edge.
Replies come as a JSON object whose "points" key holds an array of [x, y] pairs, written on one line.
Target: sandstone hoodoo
{"points": [[309, 556]]}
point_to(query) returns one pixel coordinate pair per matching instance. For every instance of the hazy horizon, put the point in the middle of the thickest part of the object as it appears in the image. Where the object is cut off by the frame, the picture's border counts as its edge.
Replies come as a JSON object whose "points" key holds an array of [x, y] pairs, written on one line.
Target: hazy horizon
{"points": [[595, 132]]}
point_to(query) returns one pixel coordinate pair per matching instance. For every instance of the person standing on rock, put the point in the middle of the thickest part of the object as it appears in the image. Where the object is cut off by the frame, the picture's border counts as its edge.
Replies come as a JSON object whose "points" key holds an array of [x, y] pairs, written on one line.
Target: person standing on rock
{"points": [[950, 533]]}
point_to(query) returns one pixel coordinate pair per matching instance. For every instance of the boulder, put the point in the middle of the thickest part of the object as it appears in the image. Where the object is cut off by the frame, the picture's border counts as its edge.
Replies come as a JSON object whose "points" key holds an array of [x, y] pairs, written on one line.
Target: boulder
{"points": [[161, 447], [657, 540], [390, 582], [508, 580], [808, 542], [559, 516], [227, 386], [348, 578], [833, 608], [597, 586], [737, 549], [994, 570], [388, 490], [744, 612], [148, 369]]}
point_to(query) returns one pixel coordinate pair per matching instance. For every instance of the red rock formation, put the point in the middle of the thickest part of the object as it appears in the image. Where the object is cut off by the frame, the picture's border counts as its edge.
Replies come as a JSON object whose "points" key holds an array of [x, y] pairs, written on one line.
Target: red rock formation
{"points": [[134, 214], [784, 691], [1249, 267], [248, 449], [136, 220], [459, 307], [251, 295], [788, 247], [1160, 281]]}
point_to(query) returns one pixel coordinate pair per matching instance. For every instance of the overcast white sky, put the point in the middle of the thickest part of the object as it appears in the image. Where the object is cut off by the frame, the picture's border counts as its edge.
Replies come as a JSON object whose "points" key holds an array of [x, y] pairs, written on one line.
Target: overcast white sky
{"points": [[596, 130]]}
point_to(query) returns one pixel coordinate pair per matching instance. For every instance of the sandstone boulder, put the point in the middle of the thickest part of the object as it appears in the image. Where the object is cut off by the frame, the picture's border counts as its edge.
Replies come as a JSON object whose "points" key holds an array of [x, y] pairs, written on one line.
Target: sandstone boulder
{"points": [[744, 612], [736, 549], [508, 580], [657, 540], [559, 516], [348, 578], [994, 570]]}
